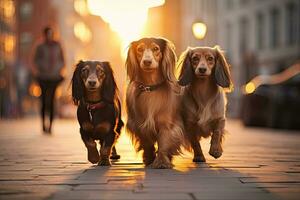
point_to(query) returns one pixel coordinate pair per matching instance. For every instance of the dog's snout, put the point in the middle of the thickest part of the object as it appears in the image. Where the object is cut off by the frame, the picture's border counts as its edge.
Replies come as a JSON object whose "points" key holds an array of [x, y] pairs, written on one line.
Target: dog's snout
{"points": [[92, 83], [147, 62], [202, 70]]}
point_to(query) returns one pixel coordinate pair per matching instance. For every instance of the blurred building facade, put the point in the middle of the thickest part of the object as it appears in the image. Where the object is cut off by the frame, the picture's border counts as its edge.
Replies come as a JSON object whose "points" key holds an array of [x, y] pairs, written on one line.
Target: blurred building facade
{"points": [[259, 37], [7, 56], [82, 36]]}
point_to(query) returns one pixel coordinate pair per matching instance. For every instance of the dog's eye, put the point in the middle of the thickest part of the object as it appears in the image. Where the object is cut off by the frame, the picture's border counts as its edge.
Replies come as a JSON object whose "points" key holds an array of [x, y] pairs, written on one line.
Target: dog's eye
{"points": [[210, 58], [140, 49], [155, 49], [195, 59], [100, 73], [84, 70]]}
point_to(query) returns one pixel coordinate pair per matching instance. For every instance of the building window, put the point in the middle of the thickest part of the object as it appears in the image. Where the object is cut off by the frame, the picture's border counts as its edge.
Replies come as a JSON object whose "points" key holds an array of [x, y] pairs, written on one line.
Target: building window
{"points": [[260, 23], [26, 11], [243, 30], [26, 40], [275, 28], [291, 24]]}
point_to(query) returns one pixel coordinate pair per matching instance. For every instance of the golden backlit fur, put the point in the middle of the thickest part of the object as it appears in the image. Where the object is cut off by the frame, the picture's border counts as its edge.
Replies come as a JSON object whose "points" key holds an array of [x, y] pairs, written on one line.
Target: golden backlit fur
{"points": [[205, 73], [153, 116]]}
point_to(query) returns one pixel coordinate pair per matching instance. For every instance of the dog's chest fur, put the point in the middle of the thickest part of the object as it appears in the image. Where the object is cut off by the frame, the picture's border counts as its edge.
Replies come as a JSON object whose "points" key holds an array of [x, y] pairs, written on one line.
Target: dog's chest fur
{"points": [[152, 108], [202, 112]]}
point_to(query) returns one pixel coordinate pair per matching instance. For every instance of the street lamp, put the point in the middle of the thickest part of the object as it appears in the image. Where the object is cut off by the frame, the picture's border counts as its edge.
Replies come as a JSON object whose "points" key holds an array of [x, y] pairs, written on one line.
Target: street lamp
{"points": [[199, 30]]}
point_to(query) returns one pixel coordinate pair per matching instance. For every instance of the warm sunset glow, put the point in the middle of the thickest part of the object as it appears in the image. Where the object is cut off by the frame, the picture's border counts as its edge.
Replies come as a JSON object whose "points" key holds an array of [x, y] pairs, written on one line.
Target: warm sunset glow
{"points": [[80, 7], [199, 30], [127, 18]]}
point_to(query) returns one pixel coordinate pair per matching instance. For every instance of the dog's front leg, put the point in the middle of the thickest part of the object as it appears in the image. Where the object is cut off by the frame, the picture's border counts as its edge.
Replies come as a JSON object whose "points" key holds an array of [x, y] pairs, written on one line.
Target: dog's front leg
{"points": [[105, 152], [106, 148], [148, 154], [114, 154], [168, 145], [90, 144], [216, 149], [198, 154]]}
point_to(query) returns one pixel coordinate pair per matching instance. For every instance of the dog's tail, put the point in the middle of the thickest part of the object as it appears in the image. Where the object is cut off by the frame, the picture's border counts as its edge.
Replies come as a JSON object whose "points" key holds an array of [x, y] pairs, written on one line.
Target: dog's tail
{"points": [[120, 123]]}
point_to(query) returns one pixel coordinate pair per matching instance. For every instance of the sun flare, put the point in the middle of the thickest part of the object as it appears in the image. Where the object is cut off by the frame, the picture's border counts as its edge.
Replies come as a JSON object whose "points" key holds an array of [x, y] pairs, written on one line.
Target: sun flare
{"points": [[127, 18]]}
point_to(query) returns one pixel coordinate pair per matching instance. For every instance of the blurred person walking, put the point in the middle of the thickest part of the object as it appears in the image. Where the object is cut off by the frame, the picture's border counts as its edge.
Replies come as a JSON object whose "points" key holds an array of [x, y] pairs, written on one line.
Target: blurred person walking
{"points": [[49, 62]]}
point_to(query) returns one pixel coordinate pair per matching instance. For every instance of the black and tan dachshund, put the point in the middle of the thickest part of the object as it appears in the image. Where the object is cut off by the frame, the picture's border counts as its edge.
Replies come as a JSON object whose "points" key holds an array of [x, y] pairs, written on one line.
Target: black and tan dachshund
{"points": [[94, 91]]}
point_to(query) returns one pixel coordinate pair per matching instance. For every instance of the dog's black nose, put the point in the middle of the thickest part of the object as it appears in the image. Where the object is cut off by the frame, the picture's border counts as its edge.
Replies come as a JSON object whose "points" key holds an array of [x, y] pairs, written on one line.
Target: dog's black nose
{"points": [[202, 70], [92, 83], [147, 62]]}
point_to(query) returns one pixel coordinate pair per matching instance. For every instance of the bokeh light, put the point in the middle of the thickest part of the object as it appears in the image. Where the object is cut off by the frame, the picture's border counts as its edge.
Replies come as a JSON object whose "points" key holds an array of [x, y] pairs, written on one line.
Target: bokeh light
{"points": [[82, 32], [80, 7], [249, 88], [9, 43], [199, 30], [35, 90], [8, 8]]}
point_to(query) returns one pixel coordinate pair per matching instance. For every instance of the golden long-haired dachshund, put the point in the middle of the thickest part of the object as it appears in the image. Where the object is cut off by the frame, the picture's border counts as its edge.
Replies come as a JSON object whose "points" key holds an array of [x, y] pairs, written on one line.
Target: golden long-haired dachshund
{"points": [[153, 101], [205, 73]]}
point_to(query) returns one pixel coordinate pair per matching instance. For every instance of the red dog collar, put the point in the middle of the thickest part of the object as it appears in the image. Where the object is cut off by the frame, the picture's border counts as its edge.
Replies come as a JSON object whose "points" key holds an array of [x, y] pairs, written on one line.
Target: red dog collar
{"points": [[94, 106]]}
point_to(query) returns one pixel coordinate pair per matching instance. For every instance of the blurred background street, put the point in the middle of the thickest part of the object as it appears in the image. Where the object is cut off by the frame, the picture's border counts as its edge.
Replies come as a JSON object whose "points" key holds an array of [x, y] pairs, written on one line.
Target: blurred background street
{"points": [[260, 39]]}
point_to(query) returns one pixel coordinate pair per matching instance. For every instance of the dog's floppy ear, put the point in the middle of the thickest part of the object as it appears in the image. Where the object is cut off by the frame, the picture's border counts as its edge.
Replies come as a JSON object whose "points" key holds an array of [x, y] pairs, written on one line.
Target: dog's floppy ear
{"points": [[186, 74], [109, 86], [168, 61], [221, 70], [77, 84], [131, 62]]}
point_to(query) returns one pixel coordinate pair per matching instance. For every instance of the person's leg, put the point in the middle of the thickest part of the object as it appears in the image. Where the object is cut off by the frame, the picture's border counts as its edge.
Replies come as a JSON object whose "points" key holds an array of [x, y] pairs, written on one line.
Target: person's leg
{"points": [[43, 103], [52, 89]]}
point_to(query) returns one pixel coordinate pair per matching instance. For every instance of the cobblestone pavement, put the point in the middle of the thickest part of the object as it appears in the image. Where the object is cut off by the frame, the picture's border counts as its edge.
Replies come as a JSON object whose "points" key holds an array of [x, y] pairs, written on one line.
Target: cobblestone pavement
{"points": [[256, 164]]}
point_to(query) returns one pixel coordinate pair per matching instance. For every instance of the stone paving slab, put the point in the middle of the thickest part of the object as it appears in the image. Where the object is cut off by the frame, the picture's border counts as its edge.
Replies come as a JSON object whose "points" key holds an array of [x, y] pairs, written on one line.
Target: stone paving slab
{"points": [[119, 195], [256, 164]]}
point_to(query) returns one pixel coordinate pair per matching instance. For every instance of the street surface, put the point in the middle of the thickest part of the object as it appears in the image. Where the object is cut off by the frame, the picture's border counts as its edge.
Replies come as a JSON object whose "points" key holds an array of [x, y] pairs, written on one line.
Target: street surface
{"points": [[256, 164]]}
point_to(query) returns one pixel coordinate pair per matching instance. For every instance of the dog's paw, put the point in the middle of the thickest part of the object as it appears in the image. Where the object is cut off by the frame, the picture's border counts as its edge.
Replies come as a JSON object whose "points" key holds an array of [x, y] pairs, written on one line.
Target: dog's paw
{"points": [[148, 165], [199, 159], [93, 154], [148, 161], [216, 151], [115, 157], [161, 164], [104, 162]]}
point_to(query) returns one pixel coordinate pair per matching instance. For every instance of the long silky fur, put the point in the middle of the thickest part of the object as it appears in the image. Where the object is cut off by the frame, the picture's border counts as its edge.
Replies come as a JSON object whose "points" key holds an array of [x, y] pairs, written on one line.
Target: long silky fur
{"points": [[145, 128], [204, 112]]}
